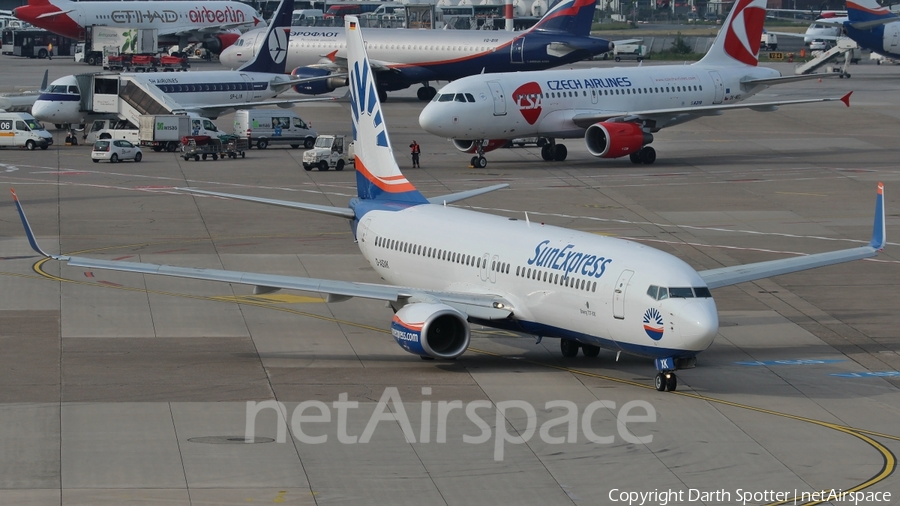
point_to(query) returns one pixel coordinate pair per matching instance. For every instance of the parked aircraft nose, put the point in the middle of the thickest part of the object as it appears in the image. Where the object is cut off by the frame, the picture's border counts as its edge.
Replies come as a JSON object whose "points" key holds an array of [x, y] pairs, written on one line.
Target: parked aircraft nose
{"points": [[229, 57], [698, 323], [42, 110], [432, 121]]}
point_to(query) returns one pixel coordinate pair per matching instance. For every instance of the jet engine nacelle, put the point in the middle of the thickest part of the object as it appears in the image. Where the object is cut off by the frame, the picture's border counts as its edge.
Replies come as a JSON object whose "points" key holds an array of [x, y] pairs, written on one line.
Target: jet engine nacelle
{"points": [[325, 85], [469, 146], [612, 140], [431, 330], [221, 41]]}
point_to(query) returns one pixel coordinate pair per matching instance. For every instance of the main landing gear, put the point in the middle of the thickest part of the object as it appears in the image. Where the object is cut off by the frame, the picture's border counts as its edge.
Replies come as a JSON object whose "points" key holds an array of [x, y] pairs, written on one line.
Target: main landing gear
{"points": [[554, 152], [569, 348], [645, 155]]}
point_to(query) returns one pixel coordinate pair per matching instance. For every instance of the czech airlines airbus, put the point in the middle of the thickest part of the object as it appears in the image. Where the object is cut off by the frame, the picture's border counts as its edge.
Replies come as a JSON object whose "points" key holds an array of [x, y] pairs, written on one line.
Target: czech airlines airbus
{"points": [[209, 93], [402, 58], [616, 110], [449, 267], [177, 22]]}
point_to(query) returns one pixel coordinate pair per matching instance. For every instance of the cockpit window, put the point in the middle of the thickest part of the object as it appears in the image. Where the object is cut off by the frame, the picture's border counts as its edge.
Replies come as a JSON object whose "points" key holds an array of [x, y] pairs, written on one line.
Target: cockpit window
{"points": [[661, 292], [681, 293], [702, 292], [460, 97], [446, 97], [73, 90], [57, 88], [470, 98]]}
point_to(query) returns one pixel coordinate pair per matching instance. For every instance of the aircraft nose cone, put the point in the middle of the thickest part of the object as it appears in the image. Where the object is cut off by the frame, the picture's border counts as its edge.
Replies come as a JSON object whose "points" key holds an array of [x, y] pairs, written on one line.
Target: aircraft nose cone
{"points": [[227, 57], [430, 120], [699, 323], [41, 111]]}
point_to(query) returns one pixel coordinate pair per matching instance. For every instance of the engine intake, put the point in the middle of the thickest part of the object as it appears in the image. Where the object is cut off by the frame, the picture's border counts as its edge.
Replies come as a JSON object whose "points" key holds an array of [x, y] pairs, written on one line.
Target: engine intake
{"points": [[613, 140], [217, 44], [468, 146], [324, 85], [431, 330]]}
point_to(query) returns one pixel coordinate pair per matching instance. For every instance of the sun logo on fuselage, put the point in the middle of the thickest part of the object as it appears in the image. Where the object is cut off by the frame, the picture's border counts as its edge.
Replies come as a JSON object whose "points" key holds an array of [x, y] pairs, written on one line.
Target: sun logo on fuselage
{"points": [[653, 324], [364, 101], [743, 33]]}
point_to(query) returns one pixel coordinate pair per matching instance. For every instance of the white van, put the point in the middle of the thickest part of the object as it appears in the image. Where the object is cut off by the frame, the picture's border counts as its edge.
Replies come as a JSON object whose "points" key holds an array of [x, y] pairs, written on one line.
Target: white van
{"points": [[18, 129], [114, 128], [306, 17], [262, 127]]}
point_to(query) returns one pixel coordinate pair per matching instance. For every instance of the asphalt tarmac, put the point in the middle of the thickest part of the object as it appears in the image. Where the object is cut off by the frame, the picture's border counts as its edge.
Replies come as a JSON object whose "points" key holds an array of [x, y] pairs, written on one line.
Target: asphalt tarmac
{"points": [[127, 389]]}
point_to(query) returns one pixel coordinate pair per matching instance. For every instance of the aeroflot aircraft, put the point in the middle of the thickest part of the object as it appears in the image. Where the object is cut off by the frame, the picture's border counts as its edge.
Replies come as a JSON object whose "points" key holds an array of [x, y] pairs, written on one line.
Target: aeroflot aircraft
{"points": [[402, 58], [208, 93], [871, 26], [450, 267], [177, 22], [616, 110]]}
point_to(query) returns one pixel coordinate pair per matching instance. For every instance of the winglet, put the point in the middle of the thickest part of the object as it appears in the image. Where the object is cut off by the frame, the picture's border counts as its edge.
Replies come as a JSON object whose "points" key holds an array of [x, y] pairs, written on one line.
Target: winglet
{"points": [[28, 231], [846, 99], [879, 232]]}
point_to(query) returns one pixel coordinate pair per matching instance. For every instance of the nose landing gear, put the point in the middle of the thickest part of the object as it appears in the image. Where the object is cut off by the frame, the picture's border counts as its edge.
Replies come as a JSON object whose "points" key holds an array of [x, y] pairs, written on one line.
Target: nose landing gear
{"points": [[665, 378]]}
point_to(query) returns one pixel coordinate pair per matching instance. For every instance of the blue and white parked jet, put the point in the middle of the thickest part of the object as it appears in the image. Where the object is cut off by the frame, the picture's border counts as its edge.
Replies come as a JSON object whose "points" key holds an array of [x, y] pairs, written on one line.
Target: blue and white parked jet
{"points": [[208, 93], [615, 110], [450, 267], [402, 58]]}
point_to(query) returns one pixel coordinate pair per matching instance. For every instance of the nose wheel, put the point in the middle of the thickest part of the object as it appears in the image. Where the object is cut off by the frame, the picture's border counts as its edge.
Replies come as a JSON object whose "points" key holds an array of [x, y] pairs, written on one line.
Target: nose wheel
{"points": [[666, 381]]}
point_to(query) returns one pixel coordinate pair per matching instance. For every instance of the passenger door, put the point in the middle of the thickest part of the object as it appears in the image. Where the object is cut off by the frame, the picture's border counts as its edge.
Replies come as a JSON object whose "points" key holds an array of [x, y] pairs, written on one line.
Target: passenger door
{"points": [[718, 87], [619, 294], [517, 50], [499, 98]]}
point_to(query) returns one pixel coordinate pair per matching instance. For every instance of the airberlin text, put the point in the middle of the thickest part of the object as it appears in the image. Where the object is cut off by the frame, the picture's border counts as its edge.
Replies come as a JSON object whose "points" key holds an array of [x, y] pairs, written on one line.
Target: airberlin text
{"points": [[743, 496], [555, 423], [580, 84]]}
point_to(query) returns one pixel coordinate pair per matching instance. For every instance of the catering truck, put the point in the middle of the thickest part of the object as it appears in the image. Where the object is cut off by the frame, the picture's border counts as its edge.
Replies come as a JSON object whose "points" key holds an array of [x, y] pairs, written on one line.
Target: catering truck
{"points": [[165, 131], [100, 41]]}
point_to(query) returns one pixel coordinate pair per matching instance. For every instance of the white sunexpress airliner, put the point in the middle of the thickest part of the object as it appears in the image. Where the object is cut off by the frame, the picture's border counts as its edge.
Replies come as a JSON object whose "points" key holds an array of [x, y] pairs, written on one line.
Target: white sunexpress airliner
{"points": [[450, 267], [211, 22], [208, 93], [616, 110]]}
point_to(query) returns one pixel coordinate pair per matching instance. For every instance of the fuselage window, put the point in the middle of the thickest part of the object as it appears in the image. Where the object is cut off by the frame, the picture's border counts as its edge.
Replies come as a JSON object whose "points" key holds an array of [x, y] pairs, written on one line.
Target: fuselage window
{"points": [[594, 288], [517, 270]]}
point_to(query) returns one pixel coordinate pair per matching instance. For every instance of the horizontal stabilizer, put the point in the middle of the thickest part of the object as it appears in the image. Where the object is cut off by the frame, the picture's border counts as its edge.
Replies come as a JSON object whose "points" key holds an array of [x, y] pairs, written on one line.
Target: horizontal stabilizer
{"points": [[787, 79], [456, 197], [726, 276], [341, 212]]}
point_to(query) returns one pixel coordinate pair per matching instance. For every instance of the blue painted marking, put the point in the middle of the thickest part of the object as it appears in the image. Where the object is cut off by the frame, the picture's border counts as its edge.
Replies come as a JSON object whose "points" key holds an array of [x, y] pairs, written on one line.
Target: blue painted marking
{"points": [[801, 361], [876, 374]]}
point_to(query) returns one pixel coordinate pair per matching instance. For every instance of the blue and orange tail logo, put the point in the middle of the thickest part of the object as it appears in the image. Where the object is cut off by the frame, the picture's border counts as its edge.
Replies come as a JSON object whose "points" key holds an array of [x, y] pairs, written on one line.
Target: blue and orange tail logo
{"points": [[653, 324], [573, 17], [377, 173]]}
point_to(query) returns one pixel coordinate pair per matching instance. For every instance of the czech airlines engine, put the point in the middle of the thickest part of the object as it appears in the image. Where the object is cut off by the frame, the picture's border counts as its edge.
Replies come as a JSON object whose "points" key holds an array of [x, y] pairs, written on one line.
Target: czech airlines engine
{"points": [[317, 87], [472, 147], [613, 140], [431, 330]]}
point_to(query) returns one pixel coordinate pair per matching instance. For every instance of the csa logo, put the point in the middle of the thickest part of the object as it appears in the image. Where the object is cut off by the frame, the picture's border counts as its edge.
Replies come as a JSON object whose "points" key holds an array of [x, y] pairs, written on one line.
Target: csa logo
{"points": [[653, 324], [528, 98], [742, 37]]}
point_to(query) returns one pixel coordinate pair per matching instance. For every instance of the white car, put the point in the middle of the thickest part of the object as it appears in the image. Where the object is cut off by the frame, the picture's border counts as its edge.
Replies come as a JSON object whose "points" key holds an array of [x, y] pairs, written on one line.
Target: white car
{"points": [[115, 151], [819, 45]]}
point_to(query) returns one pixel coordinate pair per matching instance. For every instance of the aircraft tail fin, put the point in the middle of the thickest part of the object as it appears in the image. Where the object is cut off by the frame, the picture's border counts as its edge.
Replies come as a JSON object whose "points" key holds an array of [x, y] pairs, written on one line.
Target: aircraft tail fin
{"points": [[272, 54], [573, 17], [44, 81], [378, 176], [860, 11], [738, 41]]}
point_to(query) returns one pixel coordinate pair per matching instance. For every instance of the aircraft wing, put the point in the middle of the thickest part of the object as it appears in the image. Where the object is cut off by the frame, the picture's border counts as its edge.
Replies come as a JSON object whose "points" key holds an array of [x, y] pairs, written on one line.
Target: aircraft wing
{"points": [[803, 35], [585, 120], [217, 109], [483, 306], [726, 276]]}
